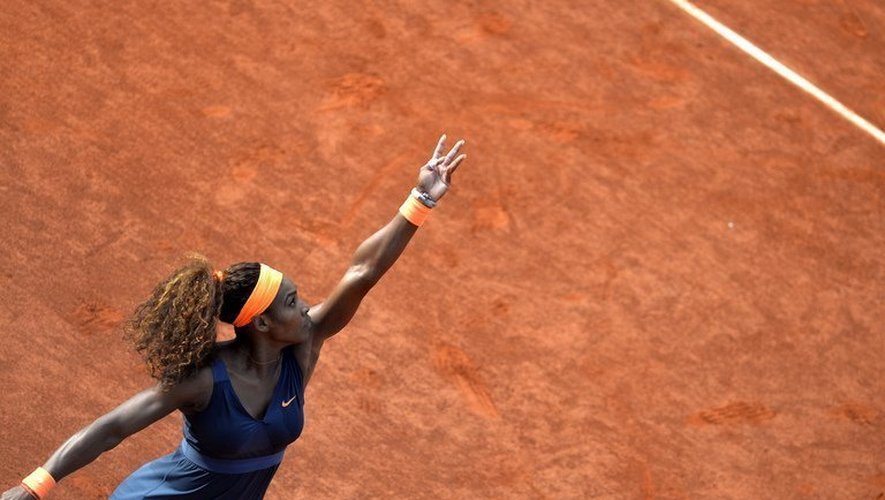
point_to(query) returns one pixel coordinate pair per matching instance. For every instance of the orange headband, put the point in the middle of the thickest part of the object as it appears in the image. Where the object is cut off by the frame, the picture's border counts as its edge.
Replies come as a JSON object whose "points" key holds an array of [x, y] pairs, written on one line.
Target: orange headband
{"points": [[265, 290]]}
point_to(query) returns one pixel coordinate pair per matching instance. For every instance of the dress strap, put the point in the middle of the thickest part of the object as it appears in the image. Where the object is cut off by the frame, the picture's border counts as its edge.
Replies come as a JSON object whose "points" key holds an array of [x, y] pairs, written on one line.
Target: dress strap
{"points": [[299, 376]]}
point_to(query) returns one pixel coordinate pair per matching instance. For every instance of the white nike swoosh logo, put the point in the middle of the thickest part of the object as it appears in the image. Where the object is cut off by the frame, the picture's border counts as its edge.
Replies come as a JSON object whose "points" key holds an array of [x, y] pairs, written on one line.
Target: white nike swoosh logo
{"points": [[287, 403]]}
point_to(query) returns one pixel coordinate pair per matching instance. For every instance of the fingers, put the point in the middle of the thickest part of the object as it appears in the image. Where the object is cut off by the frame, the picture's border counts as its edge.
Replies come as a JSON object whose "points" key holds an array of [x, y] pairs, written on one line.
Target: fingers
{"points": [[440, 146], [432, 164], [447, 174], [454, 150], [447, 164]]}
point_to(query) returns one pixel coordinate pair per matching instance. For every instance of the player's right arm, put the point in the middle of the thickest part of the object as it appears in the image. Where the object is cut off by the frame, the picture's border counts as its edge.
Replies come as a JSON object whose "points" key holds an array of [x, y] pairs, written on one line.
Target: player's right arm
{"points": [[109, 430]]}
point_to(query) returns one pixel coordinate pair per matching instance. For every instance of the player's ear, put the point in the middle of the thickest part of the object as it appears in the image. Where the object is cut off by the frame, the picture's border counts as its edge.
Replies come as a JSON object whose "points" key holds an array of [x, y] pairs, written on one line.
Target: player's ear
{"points": [[261, 323]]}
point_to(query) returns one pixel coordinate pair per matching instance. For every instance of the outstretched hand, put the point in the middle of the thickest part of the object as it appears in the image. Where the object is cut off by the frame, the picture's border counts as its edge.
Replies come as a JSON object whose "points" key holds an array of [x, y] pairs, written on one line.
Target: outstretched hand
{"points": [[435, 176]]}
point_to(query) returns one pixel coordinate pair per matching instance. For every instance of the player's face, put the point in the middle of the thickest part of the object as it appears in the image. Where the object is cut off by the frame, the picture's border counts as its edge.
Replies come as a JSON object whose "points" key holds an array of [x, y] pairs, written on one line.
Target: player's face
{"points": [[289, 313]]}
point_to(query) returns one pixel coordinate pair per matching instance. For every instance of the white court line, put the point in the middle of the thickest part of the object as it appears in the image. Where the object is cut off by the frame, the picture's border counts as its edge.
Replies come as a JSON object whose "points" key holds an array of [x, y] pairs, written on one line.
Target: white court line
{"points": [[791, 76]]}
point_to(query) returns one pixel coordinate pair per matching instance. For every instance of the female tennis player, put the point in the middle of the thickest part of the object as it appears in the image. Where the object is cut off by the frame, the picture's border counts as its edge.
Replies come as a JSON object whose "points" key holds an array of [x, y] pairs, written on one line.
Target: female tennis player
{"points": [[242, 400]]}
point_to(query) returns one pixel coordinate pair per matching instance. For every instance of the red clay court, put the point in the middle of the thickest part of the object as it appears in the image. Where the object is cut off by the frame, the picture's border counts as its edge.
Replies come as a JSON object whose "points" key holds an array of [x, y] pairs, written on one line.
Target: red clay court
{"points": [[659, 274]]}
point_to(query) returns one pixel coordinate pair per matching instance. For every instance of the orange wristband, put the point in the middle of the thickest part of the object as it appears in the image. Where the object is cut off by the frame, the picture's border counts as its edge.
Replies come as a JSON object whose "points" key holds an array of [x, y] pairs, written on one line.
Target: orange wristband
{"points": [[38, 483], [414, 211]]}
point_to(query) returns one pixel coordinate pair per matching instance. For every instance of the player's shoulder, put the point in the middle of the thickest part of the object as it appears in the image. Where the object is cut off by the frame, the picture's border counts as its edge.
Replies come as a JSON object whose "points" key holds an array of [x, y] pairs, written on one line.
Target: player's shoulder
{"points": [[196, 390]]}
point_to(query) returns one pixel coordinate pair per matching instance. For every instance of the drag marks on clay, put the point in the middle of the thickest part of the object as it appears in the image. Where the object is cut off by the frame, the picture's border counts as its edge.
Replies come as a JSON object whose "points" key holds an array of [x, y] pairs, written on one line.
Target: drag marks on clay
{"points": [[806, 489], [660, 71], [369, 405], [245, 168], [112, 238], [850, 21], [320, 230], [216, 111], [500, 308], [654, 50], [35, 125], [494, 24], [608, 270], [520, 124], [368, 378], [574, 298], [449, 257], [618, 144], [519, 106], [672, 80], [859, 413], [380, 174], [369, 401], [239, 7], [484, 27], [877, 480], [353, 90], [91, 318], [242, 171], [737, 413], [256, 69], [667, 102], [561, 132], [454, 365], [376, 28], [648, 486], [490, 216], [489, 212]]}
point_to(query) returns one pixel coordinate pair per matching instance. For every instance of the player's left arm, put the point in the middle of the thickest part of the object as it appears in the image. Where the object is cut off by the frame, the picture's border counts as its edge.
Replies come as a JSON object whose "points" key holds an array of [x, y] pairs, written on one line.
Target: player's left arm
{"points": [[377, 254]]}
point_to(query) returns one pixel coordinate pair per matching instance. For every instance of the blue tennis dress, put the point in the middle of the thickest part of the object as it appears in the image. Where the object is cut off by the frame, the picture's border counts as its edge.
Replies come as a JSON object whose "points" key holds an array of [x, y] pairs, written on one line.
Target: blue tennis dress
{"points": [[226, 453]]}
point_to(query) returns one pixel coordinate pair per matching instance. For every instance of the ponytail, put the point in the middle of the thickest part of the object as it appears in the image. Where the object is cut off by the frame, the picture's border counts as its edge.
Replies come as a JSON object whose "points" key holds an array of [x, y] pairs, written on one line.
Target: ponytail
{"points": [[174, 330]]}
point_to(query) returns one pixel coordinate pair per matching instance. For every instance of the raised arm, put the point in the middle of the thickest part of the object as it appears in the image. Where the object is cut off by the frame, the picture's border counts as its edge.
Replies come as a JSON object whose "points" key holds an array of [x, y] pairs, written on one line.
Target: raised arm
{"points": [[377, 254], [109, 430]]}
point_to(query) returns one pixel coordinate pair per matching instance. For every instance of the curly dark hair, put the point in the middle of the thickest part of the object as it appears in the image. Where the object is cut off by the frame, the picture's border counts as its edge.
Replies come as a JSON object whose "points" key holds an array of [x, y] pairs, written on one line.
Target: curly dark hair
{"points": [[174, 329]]}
